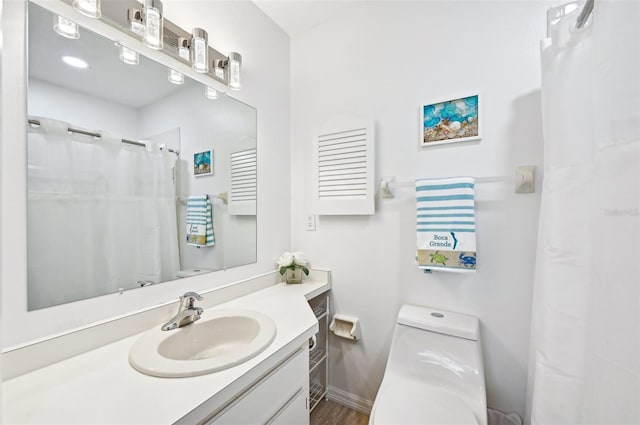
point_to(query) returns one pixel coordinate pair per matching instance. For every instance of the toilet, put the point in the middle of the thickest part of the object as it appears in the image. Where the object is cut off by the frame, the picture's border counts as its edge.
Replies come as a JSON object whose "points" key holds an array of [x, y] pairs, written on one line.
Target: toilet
{"points": [[434, 372]]}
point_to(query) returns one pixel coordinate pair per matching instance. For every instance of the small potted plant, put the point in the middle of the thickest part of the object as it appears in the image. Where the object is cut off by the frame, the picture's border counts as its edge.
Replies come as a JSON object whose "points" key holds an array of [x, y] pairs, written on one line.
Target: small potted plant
{"points": [[292, 264]]}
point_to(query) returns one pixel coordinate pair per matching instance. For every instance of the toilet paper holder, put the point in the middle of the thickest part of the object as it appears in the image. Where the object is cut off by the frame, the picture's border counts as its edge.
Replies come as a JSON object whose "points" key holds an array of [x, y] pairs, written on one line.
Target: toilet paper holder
{"points": [[345, 326]]}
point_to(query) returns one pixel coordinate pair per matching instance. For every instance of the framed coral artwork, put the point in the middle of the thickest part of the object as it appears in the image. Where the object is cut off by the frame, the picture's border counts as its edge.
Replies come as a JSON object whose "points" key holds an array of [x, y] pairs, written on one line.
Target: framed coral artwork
{"points": [[203, 163], [450, 121]]}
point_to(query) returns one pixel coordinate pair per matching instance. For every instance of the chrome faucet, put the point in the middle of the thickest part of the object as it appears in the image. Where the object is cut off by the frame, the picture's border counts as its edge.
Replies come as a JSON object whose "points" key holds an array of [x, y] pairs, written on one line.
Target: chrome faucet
{"points": [[187, 312]]}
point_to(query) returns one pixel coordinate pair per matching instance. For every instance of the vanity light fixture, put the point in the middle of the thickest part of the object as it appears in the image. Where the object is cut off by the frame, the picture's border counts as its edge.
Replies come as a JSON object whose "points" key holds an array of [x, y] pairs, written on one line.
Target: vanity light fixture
{"points": [[218, 69], [153, 24], [199, 50], [66, 27], [211, 93], [233, 68], [74, 62], [175, 77], [89, 8], [128, 56], [136, 23], [183, 49]]}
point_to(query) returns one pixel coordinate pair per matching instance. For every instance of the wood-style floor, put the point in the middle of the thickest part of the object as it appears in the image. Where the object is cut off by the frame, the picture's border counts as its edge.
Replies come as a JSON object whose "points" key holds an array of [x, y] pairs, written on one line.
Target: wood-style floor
{"points": [[331, 413]]}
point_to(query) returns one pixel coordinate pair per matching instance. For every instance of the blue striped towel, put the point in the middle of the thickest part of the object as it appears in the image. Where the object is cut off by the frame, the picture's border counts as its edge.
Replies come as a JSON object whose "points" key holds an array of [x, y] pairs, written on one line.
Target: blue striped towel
{"points": [[446, 226], [200, 221]]}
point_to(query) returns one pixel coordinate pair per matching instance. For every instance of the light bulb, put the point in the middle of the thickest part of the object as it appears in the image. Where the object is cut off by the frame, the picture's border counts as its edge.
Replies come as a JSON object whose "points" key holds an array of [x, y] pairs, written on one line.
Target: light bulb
{"points": [[199, 50], [134, 16], [211, 93], [183, 49], [153, 24], [65, 27], [175, 77], [219, 72], [90, 8], [234, 70], [128, 56]]}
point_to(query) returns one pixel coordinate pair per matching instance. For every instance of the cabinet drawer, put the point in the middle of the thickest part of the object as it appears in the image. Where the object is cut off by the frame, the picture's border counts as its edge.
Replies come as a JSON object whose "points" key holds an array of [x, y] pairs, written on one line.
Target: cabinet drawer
{"points": [[265, 399]]}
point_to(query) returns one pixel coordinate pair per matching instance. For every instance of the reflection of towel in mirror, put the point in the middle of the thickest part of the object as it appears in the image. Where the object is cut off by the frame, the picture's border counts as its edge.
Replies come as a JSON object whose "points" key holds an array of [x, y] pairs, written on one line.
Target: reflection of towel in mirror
{"points": [[200, 221]]}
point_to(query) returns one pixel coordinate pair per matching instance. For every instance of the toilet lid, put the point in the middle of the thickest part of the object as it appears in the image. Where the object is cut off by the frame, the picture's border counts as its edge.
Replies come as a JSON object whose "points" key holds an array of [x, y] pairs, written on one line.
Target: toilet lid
{"points": [[399, 406]]}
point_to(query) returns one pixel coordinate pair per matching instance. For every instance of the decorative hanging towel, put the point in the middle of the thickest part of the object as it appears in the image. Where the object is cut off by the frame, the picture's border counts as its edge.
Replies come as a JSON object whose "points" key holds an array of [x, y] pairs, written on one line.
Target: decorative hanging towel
{"points": [[446, 227], [199, 221]]}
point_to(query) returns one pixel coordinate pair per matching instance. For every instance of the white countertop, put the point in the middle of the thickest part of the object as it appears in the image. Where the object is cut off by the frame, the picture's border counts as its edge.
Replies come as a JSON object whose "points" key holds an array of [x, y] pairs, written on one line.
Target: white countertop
{"points": [[101, 387]]}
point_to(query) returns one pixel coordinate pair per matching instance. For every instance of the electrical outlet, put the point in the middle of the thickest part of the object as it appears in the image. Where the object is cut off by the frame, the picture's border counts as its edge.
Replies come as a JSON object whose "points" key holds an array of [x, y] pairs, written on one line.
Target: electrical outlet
{"points": [[310, 222]]}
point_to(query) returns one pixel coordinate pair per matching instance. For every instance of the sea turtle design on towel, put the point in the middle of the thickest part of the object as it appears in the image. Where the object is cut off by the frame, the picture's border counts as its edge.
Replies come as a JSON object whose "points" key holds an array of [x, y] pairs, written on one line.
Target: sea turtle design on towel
{"points": [[436, 257], [467, 260]]}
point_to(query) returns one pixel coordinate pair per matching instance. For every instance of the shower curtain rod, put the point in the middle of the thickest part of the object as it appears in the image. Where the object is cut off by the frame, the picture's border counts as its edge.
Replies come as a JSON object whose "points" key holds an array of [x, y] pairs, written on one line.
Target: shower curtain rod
{"points": [[584, 15], [99, 136]]}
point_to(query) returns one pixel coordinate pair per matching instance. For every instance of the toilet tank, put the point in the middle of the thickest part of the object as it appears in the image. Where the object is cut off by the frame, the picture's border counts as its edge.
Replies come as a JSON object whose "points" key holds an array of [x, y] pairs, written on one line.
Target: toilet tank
{"points": [[440, 349]]}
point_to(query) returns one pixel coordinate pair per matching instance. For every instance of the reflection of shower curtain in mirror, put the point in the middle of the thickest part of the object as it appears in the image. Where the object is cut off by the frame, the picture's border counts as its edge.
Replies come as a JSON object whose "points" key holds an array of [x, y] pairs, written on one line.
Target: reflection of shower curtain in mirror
{"points": [[101, 215]]}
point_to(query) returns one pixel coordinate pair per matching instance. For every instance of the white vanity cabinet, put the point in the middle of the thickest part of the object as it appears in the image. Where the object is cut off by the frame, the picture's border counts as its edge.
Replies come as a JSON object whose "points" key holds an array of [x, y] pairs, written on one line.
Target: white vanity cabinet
{"points": [[279, 397]]}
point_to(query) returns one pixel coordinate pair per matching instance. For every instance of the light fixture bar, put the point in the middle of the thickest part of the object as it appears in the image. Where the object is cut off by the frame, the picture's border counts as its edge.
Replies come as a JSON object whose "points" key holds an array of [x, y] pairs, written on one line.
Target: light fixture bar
{"points": [[145, 19]]}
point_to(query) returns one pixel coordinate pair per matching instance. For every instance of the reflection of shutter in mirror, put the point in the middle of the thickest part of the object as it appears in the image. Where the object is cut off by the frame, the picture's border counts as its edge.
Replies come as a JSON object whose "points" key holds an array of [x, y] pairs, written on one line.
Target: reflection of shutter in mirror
{"points": [[244, 183]]}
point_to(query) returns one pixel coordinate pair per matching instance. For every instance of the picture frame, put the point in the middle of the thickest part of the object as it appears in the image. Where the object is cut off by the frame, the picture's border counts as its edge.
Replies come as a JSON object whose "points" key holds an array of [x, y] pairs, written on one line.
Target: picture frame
{"points": [[454, 120], [203, 163]]}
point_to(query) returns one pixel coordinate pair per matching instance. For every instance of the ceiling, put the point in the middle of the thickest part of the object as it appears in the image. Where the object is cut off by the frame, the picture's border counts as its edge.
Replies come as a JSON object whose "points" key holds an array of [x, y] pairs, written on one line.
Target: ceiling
{"points": [[297, 16]]}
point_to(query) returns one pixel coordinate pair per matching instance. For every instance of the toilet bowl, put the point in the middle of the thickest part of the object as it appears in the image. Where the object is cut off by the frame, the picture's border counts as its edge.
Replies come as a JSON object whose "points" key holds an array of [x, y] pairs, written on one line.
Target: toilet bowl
{"points": [[434, 373]]}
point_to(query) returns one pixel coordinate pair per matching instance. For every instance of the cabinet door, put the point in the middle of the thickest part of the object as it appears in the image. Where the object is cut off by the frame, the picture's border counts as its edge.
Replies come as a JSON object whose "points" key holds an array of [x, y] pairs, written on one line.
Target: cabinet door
{"points": [[265, 399], [294, 413]]}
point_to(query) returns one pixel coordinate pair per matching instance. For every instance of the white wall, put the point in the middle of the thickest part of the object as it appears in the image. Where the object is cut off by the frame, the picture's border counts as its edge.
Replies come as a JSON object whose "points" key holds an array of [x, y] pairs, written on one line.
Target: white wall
{"points": [[78, 109], [231, 26], [383, 60]]}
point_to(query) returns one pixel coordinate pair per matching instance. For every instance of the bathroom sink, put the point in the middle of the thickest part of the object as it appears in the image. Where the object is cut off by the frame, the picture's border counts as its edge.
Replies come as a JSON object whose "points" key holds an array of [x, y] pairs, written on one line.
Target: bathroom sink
{"points": [[220, 340]]}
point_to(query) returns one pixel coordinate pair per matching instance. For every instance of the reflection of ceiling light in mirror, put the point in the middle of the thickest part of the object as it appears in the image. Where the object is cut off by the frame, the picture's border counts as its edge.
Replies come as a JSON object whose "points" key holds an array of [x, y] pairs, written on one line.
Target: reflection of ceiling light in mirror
{"points": [[74, 62], [199, 50], [134, 16], [153, 24], [128, 56], [211, 93], [65, 27], [175, 77], [90, 8]]}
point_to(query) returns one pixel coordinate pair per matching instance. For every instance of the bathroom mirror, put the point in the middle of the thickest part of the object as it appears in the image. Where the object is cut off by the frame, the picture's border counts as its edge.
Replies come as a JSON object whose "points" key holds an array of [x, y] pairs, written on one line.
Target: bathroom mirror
{"points": [[115, 151]]}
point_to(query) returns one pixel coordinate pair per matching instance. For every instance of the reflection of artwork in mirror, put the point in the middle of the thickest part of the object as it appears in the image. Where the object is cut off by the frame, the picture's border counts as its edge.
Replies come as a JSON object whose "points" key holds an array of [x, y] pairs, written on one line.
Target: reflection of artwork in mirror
{"points": [[203, 163], [109, 150]]}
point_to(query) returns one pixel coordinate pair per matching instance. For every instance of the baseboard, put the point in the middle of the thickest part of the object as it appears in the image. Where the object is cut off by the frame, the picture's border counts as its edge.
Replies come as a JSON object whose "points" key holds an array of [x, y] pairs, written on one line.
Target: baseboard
{"points": [[349, 400]]}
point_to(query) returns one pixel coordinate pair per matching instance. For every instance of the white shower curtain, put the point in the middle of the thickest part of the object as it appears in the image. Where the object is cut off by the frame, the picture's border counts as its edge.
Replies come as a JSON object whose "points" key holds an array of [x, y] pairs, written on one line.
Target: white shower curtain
{"points": [[585, 355], [101, 215]]}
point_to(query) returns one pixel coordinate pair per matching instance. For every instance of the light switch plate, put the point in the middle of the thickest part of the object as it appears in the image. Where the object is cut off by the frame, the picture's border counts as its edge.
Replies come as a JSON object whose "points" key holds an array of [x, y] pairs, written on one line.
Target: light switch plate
{"points": [[310, 222]]}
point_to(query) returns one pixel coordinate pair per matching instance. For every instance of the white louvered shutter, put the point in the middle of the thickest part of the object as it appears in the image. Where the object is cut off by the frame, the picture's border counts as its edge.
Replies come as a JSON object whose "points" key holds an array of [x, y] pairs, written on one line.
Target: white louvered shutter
{"points": [[343, 168], [244, 183]]}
